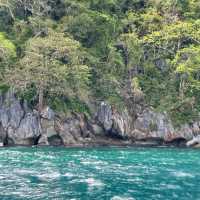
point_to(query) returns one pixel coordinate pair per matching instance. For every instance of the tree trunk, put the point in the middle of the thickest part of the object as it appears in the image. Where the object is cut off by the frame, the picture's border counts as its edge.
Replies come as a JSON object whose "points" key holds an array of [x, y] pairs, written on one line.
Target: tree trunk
{"points": [[181, 89], [40, 99]]}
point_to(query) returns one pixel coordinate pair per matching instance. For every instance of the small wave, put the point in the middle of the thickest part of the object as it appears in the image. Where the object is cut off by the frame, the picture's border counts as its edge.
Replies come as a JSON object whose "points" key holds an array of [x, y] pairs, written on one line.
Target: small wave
{"points": [[182, 174], [69, 175], [49, 176], [91, 183], [23, 171], [122, 198], [170, 186], [94, 182]]}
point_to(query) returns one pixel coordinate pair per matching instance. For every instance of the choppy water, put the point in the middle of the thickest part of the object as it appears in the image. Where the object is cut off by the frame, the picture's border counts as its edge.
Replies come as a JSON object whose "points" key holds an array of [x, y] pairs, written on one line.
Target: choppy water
{"points": [[98, 174]]}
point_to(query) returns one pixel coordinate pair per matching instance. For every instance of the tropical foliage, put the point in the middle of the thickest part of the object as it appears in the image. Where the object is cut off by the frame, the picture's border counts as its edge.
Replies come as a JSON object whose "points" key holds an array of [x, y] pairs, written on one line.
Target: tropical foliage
{"points": [[104, 50]]}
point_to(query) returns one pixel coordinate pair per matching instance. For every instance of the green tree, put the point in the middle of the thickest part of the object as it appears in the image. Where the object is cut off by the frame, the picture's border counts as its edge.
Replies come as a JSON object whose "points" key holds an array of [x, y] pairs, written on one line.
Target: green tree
{"points": [[94, 30], [7, 53], [7, 48], [53, 64], [143, 23], [187, 63], [25, 8], [133, 58], [132, 47], [193, 11]]}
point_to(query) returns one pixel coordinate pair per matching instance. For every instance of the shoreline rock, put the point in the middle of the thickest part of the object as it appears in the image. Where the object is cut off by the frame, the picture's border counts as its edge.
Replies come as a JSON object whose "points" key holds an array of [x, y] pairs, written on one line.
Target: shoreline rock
{"points": [[19, 125]]}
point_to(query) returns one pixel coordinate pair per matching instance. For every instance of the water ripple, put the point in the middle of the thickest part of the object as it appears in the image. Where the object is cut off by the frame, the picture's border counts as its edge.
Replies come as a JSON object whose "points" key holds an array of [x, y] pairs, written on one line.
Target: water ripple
{"points": [[110, 174]]}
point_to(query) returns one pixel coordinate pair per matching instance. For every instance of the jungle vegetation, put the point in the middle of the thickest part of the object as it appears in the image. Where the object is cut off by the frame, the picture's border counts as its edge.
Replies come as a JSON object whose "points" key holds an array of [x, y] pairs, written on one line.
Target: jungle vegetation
{"points": [[68, 53]]}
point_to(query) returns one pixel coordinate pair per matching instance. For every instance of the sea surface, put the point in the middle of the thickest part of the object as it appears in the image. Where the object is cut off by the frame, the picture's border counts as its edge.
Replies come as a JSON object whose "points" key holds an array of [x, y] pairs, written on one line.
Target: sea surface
{"points": [[99, 173]]}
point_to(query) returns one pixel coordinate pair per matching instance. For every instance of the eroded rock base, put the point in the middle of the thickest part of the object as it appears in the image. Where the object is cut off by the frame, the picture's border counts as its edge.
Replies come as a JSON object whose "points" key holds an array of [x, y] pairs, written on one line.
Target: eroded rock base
{"points": [[20, 125]]}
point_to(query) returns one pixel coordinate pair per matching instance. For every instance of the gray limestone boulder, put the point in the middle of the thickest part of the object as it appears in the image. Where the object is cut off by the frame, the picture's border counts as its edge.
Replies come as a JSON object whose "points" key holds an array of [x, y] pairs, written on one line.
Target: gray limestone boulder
{"points": [[194, 142], [28, 132], [114, 123], [105, 117], [43, 141], [50, 136], [154, 124], [11, 112], [70, 131]]}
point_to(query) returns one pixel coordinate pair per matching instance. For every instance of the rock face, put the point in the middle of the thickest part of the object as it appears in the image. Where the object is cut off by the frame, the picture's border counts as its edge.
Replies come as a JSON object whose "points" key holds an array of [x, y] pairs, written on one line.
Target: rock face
{"points": [[19, 125], [27, 132], [158, 125], [105, 117], [114, 123], [150, 128], [70, 132], [66, 132], [194, 142], [11, 111], [152, 124]]}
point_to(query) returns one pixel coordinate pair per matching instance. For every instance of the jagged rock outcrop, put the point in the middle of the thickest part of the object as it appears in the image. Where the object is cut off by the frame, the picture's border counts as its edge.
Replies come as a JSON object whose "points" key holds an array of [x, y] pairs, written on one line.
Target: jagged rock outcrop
{"points": [[195, 142], [114, 123], [49, 134], [28, 131], [150, 127], [70, 131], [19, 125], [55, 131], [105, 116], [151, 124], [11, 111]]}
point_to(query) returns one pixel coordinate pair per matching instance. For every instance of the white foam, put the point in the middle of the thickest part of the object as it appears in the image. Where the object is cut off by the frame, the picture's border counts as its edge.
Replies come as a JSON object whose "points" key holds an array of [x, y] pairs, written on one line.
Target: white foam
{"points": [[23, 171], [49, 176], [69, 175], [122, 198], [182, 174], [170, 186], [94, 182]]}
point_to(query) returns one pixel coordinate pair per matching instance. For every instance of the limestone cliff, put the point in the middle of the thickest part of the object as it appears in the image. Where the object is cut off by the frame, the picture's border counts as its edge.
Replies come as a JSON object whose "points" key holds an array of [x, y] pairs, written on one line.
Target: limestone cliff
{"points": [[20, 125]]}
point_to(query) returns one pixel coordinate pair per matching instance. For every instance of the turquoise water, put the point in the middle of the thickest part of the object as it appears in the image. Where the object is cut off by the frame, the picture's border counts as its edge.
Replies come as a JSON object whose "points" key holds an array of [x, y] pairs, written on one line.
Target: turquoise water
{"points": [[103, 173]]}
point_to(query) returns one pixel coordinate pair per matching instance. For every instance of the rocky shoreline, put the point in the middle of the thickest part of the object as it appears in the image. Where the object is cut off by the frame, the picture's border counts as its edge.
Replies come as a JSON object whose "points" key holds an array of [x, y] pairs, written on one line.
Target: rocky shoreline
{"points": [[20, 125]]}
